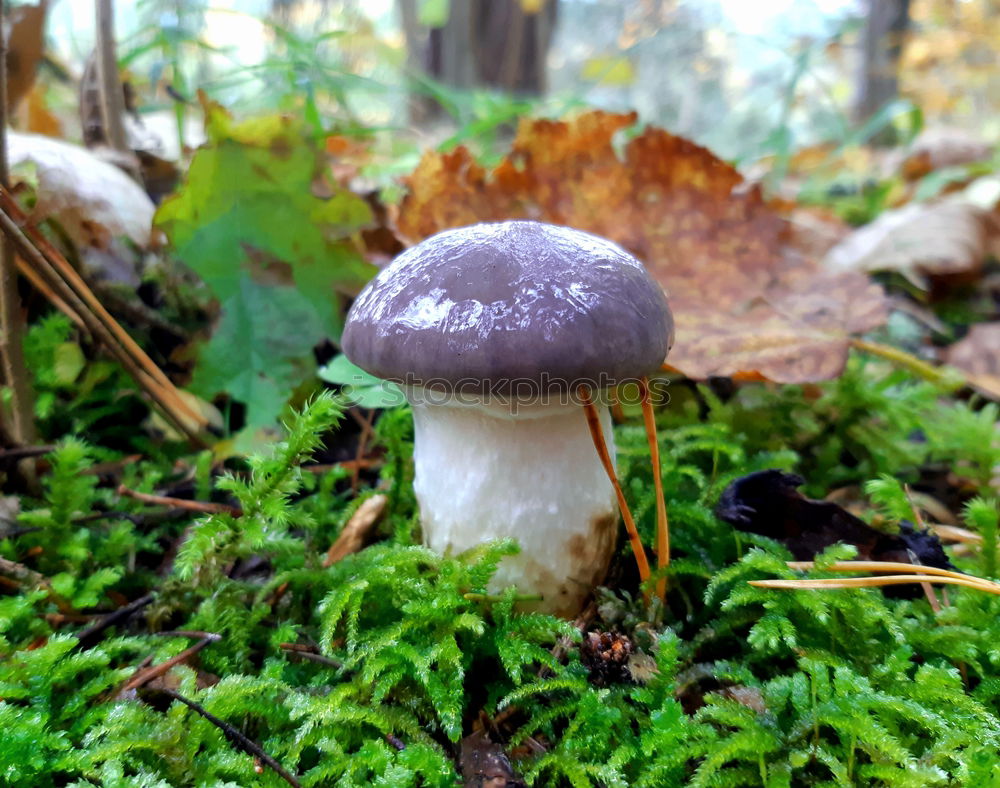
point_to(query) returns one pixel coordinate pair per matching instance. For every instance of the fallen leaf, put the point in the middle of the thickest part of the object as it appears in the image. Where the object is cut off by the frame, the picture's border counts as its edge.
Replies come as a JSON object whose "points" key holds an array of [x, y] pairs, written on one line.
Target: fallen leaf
{"points": [[25, 39], [745, 302], [939, 147], [36, 115], [978, 356], [357, 529], [951, 237], [768, 503], [277, 255]]}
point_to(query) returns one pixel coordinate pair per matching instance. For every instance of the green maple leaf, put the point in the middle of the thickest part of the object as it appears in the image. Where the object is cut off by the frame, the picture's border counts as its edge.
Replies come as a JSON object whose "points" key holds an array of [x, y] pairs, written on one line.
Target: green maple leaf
{"points": [[274, 241]]}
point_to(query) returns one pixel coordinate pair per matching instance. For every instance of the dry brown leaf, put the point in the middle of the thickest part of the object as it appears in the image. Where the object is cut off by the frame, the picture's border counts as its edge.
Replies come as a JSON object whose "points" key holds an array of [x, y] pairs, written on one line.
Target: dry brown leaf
{"points": [[37, 117], [354, 533], [951, 237], [978, 356], [940, 147], [746, 303], [24, 50]]}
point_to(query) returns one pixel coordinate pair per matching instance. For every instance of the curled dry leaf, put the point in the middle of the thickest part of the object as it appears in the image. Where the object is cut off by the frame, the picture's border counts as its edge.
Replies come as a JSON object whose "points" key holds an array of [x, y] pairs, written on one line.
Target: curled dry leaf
{"points": [[952, 237], [746, 303], [978, 356]]}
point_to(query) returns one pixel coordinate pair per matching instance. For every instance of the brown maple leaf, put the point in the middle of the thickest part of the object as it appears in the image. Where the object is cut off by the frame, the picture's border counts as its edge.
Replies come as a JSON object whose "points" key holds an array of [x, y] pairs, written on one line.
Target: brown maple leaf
{"points": [[746, 303]]}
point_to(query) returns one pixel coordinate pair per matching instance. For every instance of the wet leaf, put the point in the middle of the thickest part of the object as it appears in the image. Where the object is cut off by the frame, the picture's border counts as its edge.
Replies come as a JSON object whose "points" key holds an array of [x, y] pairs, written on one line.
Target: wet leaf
{"points": [[768, 503], [745, 302], [276, 245]]}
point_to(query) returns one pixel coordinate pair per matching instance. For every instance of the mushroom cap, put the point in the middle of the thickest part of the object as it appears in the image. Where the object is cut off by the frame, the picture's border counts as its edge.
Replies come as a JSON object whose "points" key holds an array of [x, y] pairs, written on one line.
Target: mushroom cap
{"points": [[508, 307]]}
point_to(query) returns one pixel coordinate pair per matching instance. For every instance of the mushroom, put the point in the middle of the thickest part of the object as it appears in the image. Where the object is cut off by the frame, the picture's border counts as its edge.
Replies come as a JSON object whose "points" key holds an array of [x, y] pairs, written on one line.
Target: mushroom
{"points": [[492, 330]]}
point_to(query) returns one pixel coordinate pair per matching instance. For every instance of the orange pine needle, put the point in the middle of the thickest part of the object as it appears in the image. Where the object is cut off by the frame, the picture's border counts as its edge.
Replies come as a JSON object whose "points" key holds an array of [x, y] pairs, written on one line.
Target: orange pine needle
{"points": [[821, 583], [662, 523], [597, 434]]}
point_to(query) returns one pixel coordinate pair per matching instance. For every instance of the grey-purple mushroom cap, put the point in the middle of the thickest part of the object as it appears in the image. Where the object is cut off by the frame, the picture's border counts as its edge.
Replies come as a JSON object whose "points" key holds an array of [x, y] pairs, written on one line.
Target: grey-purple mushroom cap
{"points": [[500, 307]]}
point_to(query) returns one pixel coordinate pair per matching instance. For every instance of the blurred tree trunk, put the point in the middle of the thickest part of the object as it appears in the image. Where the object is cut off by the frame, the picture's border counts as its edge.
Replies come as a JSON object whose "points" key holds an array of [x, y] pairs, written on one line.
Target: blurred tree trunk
{"points": [[483, 43], [882, 43]]}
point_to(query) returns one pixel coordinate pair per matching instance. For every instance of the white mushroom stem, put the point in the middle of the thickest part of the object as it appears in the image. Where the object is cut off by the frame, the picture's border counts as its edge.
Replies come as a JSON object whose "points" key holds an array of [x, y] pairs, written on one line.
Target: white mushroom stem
{"points": [[487, 471]]}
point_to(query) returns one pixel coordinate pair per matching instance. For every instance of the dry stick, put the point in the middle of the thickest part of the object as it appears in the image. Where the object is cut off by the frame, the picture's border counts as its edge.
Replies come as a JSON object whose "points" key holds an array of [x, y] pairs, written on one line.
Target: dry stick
{"points": [[146, 675], [304, 653], [85, 636], [594, 423], [248, 746], [662, 524], [204, 507], [64, 279], [30, 577], [22, 426]]}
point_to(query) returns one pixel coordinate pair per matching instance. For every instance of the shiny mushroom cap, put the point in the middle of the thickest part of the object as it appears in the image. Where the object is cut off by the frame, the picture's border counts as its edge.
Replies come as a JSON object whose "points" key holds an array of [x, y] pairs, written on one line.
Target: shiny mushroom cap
{"points": [[497, 306]]}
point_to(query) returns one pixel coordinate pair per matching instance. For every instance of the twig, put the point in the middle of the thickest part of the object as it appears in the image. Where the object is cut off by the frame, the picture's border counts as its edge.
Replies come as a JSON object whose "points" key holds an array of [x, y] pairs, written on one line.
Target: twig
{"points": [[23, 574], [87, 637], [347, 465], [204, 507], [22, 425], [306, 653], [146, 675], [662, 523], [353, 534], [594, 423], [21, 452], [233, 735]]}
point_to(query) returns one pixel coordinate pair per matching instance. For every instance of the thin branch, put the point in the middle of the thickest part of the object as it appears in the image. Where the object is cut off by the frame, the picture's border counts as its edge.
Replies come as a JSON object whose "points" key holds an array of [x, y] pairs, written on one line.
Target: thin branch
{"points": [[203, 507], [306, 653], [236, 737], [30, 577], [21, 452], [662, 523], [597, 435], [22, 424], [146, 675], [87, 637]]}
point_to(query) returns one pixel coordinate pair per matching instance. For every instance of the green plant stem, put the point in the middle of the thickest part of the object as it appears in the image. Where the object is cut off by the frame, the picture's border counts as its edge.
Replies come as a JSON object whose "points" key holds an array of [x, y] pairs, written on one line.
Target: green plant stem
{"points": [[941, 376]]}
